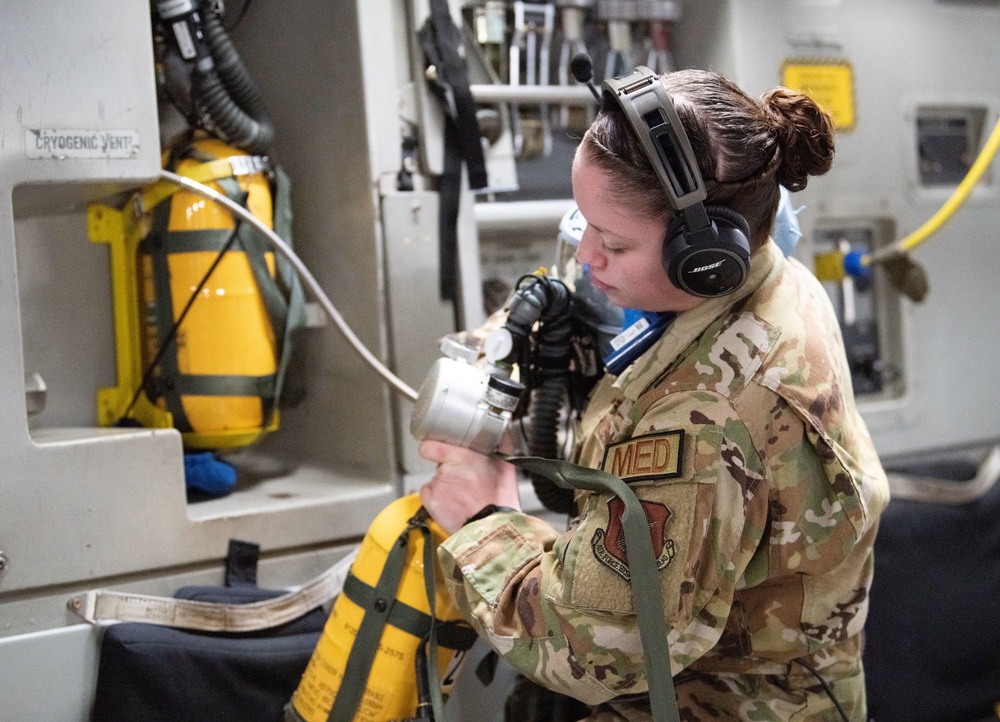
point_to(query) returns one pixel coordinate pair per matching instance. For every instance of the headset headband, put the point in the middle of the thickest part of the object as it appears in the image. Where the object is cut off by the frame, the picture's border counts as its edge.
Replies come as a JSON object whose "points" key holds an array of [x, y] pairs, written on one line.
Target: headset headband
{"points": [[651, 114]]}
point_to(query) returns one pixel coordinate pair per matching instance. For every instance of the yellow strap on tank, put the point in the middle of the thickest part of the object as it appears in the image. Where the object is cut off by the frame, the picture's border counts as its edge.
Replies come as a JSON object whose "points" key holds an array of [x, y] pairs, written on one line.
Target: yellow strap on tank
{"points": [[152, 195]]}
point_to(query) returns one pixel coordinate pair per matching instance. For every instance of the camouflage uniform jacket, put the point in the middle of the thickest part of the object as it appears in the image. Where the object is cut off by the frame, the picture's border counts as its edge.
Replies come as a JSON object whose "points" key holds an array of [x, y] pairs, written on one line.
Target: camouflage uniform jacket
{"points": [[739, 432]]}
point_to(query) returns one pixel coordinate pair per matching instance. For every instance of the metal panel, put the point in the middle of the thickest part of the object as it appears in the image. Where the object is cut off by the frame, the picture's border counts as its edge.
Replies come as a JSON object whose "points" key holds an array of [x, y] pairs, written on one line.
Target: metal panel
{"points": [[418, 316], [67, 655], [83, 506], [905, 54]]}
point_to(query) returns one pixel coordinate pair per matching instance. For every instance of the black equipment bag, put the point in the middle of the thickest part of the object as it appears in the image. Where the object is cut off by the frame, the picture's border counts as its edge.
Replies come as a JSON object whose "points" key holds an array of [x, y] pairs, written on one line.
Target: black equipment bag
{"points": [[155, 673]]}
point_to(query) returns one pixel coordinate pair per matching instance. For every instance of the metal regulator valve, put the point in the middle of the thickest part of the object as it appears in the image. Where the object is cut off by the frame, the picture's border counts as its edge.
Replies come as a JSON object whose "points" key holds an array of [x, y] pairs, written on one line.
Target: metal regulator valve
{"points": [[463, 404], [471, 406]]}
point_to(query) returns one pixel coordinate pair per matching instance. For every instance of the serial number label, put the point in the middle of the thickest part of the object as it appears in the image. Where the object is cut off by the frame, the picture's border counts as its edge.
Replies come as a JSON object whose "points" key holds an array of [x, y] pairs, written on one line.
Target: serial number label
{"points": [[61, 144]]}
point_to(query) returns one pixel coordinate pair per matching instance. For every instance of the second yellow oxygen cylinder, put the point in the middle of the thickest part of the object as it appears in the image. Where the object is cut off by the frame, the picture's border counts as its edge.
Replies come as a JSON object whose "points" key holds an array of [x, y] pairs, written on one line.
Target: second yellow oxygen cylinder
{"points": [[391, 690]]}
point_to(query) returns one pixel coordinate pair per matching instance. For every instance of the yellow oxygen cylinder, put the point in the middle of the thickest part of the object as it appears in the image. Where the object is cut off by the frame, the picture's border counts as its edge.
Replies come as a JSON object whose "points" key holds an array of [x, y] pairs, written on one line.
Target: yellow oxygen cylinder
{"points": [[390, 691], [227, 333]]}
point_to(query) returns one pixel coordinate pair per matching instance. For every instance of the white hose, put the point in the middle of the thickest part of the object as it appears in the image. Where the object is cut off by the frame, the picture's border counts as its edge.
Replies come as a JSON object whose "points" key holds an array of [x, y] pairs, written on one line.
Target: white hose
{"points": [[307, 278]]}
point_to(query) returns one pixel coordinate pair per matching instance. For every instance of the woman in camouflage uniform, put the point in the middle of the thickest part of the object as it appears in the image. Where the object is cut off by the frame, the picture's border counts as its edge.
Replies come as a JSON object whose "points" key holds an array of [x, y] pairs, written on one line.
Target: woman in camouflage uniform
{"points": [[737, 429]]}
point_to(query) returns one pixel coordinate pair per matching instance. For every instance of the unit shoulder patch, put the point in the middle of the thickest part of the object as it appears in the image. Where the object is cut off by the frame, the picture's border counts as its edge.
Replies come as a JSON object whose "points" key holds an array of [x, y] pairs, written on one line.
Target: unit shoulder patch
{"points": [[609, 544], [651, 456]]}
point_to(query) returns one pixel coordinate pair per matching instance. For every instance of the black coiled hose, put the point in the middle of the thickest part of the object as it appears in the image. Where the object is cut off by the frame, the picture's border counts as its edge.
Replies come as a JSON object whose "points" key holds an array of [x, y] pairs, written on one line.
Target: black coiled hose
{"points": [[546, 401], [547, 301], [229, 94]]}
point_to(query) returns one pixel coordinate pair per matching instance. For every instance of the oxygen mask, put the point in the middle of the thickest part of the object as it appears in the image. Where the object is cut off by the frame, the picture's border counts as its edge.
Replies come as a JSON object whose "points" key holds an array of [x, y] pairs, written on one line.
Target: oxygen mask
{"points": [[602, 319]]}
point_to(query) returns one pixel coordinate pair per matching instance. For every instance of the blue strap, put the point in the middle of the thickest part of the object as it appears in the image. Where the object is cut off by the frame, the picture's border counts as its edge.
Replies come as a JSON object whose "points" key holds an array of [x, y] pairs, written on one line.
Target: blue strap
{"points": [[642, 330]]}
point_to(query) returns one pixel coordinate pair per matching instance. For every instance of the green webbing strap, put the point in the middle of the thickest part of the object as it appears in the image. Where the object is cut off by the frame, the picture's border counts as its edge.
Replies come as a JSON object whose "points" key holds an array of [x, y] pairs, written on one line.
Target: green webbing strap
{"points": [[282, 294], [196, 241], [225, 385], [288, 280], [232, 188], [366, 641], [283, 206], [433, 676], [646, 594], [453, 635], [169, 370], [275, 304]]}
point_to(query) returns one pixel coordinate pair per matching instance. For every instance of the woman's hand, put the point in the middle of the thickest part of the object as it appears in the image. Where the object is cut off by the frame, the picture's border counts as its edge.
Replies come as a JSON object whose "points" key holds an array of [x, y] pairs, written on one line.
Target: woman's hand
{"points": [[465, 482]]}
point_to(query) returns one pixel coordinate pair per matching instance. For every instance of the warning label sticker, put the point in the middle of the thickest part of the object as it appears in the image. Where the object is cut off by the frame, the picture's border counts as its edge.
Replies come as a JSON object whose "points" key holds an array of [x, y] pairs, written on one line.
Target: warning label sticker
{"points": [[66, 144], [829, 83]]}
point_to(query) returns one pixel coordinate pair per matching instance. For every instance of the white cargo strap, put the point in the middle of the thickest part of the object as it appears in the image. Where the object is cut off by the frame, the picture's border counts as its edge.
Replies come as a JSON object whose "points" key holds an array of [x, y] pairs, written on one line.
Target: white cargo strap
{"points": [[105, 605]]}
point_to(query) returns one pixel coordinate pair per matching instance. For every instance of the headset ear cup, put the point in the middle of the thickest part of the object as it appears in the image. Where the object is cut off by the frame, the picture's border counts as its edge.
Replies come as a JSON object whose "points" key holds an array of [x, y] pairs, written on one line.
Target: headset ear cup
{"points": [[674, 244], [713, 268], [735, 221]]}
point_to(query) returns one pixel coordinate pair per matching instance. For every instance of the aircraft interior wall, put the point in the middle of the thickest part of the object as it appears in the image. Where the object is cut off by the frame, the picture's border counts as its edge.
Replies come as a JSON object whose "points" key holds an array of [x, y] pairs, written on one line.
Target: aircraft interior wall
{"points": [[85, 505]]}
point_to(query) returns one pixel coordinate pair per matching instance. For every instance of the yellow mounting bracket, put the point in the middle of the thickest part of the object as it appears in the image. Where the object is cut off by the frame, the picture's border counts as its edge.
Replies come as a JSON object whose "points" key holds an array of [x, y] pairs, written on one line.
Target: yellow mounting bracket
{"points": [[122, 230]]}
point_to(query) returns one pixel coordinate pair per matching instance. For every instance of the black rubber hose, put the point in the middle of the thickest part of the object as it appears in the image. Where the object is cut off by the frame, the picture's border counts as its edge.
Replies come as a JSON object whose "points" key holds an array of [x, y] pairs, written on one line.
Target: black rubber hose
{"points": [[229, 93], [546, 401], [553, 349]]}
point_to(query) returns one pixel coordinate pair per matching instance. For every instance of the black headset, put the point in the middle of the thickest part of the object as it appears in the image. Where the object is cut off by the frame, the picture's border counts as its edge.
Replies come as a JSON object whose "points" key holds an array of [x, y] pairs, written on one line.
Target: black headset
{"points": [[706, 251]]}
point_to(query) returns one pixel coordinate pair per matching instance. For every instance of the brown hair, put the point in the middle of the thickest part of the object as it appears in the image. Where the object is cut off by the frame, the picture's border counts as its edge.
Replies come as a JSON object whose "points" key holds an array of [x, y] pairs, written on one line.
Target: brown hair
{"points": [[745, 147]]}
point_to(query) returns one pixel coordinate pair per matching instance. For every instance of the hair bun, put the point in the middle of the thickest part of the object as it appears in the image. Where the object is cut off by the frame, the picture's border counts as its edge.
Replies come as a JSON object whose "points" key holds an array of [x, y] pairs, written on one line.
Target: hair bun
{"points": [[805, 136]]}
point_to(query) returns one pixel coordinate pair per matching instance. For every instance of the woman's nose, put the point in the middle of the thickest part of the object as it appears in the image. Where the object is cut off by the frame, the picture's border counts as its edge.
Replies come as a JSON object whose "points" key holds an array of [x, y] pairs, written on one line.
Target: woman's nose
{"points": [[587, 252]]}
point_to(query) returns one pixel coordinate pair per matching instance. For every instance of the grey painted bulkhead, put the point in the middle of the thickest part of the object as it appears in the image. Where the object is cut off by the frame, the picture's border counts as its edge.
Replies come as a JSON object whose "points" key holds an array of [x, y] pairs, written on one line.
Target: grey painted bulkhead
{"points": [[82, 507]]}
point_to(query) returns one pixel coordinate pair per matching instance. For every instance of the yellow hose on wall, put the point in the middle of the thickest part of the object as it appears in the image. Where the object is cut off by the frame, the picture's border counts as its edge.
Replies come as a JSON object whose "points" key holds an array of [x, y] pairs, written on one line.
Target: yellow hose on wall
{"points": [[948, 209]]}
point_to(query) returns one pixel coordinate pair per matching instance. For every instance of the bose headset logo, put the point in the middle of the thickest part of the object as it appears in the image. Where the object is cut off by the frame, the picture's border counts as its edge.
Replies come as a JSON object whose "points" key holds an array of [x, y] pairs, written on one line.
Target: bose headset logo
{"points": [[709, 267]]}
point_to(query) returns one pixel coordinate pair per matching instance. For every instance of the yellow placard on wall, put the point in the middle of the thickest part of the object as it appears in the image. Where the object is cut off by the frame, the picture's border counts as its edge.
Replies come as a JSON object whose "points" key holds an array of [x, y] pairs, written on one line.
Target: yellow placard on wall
{"points": [[829, 82]]}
